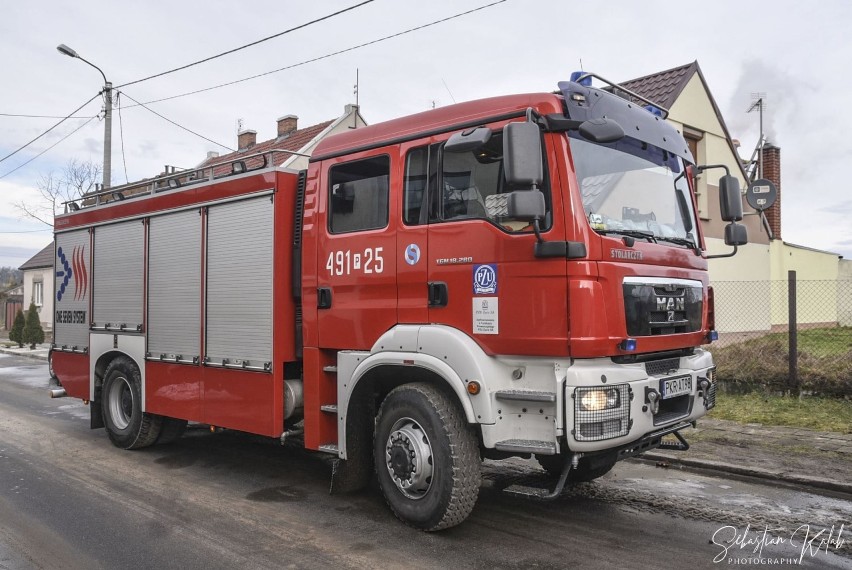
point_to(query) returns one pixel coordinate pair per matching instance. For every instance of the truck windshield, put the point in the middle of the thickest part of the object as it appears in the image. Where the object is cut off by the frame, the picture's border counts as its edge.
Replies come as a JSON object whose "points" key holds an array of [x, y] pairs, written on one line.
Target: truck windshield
{"points": [[633, 188]]}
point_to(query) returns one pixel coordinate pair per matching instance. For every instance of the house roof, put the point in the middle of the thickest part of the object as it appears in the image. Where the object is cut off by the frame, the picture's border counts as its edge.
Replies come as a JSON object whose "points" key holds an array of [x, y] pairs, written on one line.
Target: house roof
{"points": [[44, 258], [664, 87], [295, 141]]}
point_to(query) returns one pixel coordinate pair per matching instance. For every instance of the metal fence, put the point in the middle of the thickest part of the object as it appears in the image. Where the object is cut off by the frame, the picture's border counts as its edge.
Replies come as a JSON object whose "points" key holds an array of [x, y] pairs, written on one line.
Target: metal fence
{"points": [[792, 336]]}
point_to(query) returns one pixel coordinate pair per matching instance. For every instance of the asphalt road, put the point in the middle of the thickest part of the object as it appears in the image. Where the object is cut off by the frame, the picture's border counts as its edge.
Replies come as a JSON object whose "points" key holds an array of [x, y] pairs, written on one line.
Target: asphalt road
{"points": [[69, 499]]}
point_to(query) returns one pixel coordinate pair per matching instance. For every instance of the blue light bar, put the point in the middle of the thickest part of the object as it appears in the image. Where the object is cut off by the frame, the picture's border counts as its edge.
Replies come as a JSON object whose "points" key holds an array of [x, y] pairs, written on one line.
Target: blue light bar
{"points": [[586, 82], [628, 344], [714, 335]]}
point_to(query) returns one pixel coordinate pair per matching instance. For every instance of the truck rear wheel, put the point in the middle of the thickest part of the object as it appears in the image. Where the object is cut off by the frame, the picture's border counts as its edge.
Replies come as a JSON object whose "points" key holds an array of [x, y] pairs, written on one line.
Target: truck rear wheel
{"points": [[553, 464], [426, 458], [127, 426]]}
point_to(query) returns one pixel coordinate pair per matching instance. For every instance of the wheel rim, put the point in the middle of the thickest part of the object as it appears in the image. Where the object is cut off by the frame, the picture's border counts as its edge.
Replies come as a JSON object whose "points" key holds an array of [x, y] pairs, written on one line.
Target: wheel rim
{"points": [[408, 456], [121, 403]]}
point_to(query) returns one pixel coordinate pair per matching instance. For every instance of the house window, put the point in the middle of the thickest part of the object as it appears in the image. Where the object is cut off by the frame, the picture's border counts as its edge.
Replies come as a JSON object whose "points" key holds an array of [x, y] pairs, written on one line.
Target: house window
{"points": [[358, 195], [38, 293]]}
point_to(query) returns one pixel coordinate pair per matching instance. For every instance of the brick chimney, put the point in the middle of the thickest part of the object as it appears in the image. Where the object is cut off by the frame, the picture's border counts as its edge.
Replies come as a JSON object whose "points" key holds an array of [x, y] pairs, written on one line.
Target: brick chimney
{"points": [[287, 124], [772, 172], [246, 139]]}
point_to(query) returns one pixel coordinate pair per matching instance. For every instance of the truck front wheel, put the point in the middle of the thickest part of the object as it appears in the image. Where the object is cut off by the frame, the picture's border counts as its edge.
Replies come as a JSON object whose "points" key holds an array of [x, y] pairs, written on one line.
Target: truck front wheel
{"points": [[426, 457], [127, 426]]}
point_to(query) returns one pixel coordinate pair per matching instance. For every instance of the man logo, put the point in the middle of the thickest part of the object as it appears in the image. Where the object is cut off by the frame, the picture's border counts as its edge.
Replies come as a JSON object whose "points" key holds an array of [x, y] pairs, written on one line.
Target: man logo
{"points": [[671, 304]]}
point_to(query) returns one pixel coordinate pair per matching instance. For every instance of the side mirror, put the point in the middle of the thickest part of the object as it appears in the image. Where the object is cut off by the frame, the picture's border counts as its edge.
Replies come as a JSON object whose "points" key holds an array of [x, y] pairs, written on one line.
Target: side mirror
{"points": [[522, 155], [730, 199], [526, 205], [601, 130], [468, 140], [736, 234]]}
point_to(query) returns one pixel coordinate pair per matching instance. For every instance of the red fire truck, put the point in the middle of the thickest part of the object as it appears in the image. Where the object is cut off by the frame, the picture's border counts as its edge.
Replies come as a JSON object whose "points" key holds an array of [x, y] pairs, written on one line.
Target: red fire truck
{"points": [[516, 276]]}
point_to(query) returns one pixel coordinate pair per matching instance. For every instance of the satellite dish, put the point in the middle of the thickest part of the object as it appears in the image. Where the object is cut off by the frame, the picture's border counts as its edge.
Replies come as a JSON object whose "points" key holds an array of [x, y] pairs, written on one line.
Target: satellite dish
{"points": [[761, 194]]}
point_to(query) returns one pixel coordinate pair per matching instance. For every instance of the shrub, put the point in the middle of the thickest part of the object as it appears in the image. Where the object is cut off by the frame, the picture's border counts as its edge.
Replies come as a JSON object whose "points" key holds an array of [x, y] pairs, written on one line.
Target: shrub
{"points": [[33, 334], [17, 332], [763, 364]]}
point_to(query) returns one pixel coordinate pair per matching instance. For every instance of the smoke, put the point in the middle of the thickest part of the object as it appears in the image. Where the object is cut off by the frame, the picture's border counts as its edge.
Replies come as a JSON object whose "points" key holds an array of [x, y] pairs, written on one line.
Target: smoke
{"points": [[783, 94]]}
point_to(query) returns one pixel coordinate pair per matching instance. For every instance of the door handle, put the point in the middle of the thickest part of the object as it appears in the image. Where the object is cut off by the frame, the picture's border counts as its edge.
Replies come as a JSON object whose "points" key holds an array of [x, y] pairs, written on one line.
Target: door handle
{"points": [[438, 294], [323, 297]]}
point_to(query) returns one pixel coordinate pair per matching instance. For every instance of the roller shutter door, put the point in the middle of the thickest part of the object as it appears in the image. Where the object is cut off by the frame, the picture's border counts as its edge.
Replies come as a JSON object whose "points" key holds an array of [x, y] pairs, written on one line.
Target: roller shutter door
{"points": [[119, 253], [174, 286], [239, 283]]}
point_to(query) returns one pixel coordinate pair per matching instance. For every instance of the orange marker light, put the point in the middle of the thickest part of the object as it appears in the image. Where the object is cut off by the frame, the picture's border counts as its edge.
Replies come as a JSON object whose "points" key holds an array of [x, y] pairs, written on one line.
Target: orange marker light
{"points": [[473, 387]]}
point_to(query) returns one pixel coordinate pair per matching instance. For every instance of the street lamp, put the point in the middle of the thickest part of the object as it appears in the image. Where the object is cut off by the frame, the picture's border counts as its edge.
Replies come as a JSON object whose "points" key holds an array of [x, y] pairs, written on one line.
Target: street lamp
{"points": [[64, 49]]}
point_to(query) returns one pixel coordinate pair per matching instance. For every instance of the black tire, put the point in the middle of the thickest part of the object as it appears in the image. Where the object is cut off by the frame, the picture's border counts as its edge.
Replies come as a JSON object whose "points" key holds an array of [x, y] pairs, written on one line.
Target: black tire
{"points": [[171, 430], [553, 464], [50, 367], [437, 486], [121, 404]]}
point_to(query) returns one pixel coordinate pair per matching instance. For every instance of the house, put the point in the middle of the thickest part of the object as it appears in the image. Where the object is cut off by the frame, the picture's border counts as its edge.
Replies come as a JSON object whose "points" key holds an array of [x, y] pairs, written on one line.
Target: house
{"points": [[38, 285], [289, 137], [749, 283]]}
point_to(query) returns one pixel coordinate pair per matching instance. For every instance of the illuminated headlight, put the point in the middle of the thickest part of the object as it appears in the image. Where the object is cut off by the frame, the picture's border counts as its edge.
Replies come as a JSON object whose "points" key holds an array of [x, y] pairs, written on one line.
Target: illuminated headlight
{"points": [[601, 413], [596, 400]]}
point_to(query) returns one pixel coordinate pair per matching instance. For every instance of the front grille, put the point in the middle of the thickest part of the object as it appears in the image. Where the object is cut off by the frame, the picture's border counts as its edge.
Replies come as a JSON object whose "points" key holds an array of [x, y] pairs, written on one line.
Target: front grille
{"points": [[661, 309], [662, 367], [602, 424]]}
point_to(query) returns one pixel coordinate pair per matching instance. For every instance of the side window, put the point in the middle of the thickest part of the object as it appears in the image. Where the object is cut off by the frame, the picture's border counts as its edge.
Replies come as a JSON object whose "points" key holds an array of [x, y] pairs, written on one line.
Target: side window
{"points": [[358, 195], [414, 185], [473, 185]]}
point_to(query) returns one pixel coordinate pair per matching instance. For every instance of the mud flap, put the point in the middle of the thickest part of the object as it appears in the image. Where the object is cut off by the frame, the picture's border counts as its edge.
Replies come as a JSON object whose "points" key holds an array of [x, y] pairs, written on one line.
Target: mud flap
{"points": [[354, 474], [96, 417]]}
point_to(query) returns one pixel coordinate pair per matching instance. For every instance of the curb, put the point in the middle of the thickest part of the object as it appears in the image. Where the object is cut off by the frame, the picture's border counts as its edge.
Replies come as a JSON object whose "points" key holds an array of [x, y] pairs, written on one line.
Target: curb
{"points": [[24, 354], [795, 478]]}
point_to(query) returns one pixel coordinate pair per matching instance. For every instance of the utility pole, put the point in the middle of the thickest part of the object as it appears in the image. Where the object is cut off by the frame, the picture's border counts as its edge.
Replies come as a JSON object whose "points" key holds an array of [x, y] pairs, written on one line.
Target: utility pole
{"points": [[65, 50]]}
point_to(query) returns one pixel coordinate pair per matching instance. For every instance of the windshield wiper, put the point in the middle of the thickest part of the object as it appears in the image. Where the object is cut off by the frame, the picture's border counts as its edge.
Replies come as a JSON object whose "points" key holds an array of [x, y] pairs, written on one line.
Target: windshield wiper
{"points": [[679, 240], [631, 233]]}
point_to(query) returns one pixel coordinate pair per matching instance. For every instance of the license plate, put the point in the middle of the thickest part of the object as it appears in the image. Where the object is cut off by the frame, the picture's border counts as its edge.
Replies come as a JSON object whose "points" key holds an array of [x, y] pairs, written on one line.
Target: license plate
{"points": [[674, 387]]}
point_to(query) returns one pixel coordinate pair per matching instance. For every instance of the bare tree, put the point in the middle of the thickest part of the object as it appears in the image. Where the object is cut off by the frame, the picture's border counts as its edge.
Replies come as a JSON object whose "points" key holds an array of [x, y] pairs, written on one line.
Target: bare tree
{"points": [[71, 183]]}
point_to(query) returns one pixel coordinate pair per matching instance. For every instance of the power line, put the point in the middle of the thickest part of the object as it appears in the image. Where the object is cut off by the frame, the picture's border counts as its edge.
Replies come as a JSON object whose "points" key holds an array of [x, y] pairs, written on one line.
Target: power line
{"points": [[353, 48], [29, 231], [48, 148], [68, 116], [121, 130], [176, 124], [299, 27], [38, 116]]}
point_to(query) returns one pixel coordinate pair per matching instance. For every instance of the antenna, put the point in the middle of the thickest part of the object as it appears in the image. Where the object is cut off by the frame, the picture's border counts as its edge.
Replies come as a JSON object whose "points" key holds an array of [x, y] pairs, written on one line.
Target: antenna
{"points": [[581, 64], [239, 125], [448, 90], [759, 105], [355, 92]]}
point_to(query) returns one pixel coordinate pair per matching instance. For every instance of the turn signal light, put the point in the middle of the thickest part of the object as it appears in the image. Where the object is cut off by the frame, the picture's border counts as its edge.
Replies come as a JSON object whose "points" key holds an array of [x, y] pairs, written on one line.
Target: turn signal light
{"points": [[473, 387]]}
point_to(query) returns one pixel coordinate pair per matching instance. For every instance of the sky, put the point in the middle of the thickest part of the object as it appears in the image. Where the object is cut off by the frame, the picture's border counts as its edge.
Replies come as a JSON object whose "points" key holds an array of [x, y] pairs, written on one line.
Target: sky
{"points": [[794, 52]]}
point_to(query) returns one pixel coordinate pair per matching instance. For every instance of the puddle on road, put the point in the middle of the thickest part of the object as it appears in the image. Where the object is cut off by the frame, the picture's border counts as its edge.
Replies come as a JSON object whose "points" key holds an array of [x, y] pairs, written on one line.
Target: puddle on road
{"points": [[286, 494]]}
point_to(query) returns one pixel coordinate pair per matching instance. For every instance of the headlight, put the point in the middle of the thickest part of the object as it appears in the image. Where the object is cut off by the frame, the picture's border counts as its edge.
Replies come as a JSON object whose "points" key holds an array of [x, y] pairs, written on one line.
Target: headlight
{"points": [[597, 400]]}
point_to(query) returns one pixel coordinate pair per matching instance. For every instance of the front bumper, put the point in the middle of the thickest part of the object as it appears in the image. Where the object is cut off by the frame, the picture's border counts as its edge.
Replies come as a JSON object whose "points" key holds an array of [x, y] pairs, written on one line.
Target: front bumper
{"points": [[641, 412]]}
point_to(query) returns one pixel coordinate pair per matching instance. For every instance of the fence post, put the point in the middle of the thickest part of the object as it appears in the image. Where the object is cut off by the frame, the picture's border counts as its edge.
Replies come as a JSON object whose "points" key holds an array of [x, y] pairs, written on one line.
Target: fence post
{"points": [[793, 334]]}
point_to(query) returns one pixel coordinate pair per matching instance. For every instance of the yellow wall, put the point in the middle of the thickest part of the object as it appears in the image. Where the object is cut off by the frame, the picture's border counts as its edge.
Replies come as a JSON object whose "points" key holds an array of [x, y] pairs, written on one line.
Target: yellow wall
{"points": [[817, 275], [741, 286]]}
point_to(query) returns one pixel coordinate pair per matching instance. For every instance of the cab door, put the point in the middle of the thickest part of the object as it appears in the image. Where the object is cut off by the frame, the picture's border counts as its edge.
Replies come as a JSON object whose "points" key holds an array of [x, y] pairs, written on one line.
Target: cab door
{"points": [[356, 252], [484, 278]]}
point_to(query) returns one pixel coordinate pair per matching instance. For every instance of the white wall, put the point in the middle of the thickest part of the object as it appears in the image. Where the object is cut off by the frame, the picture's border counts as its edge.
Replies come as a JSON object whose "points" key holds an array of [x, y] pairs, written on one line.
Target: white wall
{"points": [[45, 275]]}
